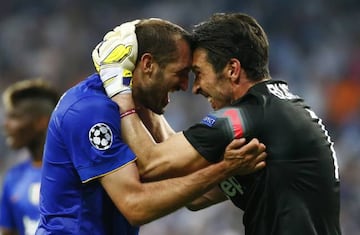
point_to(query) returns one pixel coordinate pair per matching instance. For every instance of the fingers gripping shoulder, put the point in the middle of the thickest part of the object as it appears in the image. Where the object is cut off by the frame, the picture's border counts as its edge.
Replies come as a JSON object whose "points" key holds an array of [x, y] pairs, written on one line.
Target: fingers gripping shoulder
{"points": [[115, 57]]}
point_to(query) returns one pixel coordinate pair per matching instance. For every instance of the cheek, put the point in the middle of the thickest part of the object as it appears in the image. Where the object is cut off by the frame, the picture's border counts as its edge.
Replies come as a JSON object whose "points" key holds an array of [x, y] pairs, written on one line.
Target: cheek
{"points": [[20, 127], [12, 125], [19, 135], [223, 95], [207, 84]]}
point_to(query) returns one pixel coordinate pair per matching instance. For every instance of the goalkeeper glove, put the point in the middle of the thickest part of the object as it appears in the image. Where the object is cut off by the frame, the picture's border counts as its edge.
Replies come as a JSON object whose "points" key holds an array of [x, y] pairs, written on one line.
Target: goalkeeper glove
{"points": [[115, 57]]}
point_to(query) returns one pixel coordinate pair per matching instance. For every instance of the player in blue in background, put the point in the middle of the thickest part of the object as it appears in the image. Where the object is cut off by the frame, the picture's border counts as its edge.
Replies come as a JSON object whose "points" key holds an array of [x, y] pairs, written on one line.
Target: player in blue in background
{"points": [[28, 105], [91, 183]]}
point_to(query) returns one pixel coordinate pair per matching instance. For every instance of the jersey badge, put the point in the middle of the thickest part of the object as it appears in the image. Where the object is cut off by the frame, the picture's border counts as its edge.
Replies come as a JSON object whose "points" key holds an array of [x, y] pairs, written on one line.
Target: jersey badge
{"points": [[209, 120], [100, 136]]}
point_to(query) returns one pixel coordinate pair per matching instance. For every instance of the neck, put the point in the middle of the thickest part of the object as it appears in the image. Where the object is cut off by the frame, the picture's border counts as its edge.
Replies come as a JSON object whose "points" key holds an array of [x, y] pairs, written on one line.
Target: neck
{"points": [[243, 87], [36, 152], [37, 163]]}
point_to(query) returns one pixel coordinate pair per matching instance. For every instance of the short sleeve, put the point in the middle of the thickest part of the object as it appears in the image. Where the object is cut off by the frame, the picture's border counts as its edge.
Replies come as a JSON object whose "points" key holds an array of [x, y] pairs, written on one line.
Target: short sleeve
{"points": [[217, 129], [91, 131]]}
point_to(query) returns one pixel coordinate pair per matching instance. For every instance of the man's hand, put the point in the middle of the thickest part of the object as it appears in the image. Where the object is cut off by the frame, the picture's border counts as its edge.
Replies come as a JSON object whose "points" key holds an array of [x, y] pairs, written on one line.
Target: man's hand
{"points": [[248, 158], [115, 57]]}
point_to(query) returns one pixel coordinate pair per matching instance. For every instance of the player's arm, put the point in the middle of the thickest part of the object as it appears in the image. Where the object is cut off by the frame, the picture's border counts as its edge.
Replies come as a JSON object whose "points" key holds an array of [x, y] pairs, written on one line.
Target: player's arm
{"points": [[171, 158], [155, 123], [210, 198], [176, 156], [141, 203], [215, 195]]}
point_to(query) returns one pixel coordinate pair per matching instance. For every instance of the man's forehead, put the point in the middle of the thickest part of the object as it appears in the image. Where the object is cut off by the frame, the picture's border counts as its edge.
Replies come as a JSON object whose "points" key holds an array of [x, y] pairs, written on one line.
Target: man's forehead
{"points": [[199, 58], [184, 58], [184, 49], [178, 67]]}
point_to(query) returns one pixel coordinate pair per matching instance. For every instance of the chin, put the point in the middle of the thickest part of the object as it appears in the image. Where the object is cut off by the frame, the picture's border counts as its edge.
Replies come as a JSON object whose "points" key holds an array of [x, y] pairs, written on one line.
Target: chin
{"points": [[159, 111], [14, 146]]}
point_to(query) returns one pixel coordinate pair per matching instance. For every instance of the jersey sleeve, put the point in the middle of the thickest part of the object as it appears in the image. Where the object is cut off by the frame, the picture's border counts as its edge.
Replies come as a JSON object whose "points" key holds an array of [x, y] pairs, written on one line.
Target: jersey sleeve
{"points": [[93, 137], [217, 129]]}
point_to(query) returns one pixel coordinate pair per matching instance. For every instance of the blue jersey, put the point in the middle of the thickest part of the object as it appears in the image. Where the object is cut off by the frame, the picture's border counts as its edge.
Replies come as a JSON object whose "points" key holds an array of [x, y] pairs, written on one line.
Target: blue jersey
{"points": [[83, 143], [19, 209]]}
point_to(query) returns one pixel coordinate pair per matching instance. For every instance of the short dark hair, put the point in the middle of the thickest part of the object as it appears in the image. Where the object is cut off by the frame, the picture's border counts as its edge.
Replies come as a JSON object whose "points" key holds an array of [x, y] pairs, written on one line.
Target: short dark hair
{"points": [[234, 35], [157, 36], [42, 96]]}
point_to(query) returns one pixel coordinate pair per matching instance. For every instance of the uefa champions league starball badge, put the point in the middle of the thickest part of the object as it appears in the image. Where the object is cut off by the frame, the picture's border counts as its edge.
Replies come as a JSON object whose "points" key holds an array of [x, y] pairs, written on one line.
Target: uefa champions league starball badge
{"points": [[100, 136]]}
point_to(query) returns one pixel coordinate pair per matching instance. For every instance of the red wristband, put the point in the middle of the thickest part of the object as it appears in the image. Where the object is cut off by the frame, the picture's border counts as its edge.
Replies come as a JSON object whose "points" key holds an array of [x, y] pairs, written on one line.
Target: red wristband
{"points": [[126, 113]]}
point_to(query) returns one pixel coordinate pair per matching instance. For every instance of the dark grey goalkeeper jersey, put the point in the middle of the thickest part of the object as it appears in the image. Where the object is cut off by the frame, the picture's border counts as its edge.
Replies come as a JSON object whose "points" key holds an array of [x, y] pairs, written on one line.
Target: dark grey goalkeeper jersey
{"points": [[297, 193]]}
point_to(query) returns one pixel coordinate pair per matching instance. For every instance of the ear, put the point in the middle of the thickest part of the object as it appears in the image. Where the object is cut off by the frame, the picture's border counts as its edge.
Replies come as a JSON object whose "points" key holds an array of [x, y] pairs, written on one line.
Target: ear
{"points": [[147, 63], [234, 69]]}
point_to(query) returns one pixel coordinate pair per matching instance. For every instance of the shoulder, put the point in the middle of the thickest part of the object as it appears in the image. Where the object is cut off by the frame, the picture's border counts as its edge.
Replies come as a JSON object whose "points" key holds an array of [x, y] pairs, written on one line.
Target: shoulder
{"points": [[17, 170], [86, 95], [20, 166], [87, 100]]}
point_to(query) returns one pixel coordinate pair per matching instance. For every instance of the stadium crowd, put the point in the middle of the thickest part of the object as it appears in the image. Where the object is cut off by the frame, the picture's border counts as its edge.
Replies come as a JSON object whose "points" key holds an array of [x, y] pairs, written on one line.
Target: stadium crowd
{"points": [[314, 45]]}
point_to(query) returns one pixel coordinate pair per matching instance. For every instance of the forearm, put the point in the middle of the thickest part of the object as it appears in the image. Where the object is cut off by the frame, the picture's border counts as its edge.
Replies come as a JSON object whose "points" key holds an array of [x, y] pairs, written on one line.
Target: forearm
{"points": [[172, 158], [156, 124], [174, 193], [214, 196], [134, 132]]}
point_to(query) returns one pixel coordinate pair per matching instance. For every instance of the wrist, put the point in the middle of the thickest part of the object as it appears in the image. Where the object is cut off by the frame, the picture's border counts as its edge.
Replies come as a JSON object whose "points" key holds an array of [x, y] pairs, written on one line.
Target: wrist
{"points": [[226, 169], [127, 113]]}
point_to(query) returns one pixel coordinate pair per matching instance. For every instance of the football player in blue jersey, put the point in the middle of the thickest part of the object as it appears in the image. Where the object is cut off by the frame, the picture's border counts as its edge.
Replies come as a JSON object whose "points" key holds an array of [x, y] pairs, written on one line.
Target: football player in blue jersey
{"points": [[297, 192], [28, 105], [92, 182]]}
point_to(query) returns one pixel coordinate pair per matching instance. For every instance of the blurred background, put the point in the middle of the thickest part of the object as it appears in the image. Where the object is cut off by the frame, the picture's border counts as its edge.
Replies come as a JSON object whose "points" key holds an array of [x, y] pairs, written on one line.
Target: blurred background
{"points": [[314, 45]]}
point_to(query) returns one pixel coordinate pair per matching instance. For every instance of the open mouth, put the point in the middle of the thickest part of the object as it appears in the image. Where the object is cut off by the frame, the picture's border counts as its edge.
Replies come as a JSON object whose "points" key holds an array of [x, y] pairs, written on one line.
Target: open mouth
{"points": [[206, 95]]}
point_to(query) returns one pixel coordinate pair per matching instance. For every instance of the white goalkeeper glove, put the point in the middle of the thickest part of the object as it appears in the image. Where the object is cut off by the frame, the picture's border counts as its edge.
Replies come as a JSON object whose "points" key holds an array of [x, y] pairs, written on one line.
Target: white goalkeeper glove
{"points": [[115, 57]]}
